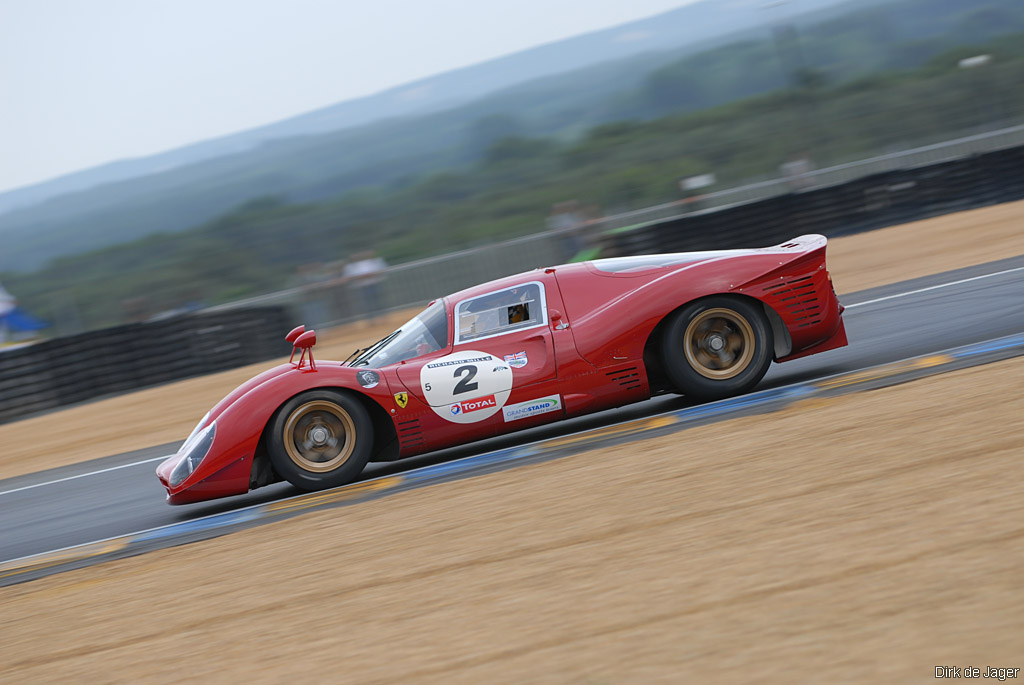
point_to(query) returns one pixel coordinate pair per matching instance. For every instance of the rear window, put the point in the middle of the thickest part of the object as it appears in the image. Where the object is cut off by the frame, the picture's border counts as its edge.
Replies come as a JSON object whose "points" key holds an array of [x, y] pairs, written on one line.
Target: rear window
{"points": [[500, 312], [621, 265]]}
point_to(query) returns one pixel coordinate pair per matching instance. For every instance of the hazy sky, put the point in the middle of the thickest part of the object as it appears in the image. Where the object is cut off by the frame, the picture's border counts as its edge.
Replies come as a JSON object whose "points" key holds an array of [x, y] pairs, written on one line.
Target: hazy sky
{"points": [[89, 81]]}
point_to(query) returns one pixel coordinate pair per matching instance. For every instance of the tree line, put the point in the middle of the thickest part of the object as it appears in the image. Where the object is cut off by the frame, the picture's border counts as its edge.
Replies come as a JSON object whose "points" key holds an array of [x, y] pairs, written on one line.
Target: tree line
{"points": [[512, 187]]}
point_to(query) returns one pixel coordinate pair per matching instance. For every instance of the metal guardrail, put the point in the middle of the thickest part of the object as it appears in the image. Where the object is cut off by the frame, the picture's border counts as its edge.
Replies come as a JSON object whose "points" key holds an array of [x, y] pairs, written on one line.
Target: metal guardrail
{"points": [[842, 173], [414, 283], [331, 302], [884, 198]]}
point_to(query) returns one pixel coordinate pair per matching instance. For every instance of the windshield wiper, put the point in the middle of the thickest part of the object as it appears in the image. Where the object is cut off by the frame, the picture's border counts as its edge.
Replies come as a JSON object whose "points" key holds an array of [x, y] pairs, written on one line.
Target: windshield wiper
{"points": [[372, 349], [348, 358]]}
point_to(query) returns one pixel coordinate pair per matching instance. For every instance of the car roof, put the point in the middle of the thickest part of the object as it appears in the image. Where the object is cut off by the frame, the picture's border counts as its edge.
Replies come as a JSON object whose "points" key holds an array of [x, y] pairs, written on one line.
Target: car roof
{"points": [[502, 283], [602, 266]]}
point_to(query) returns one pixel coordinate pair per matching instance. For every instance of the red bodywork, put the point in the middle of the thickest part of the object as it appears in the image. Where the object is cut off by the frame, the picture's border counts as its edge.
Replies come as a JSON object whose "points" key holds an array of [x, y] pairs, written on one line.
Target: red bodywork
{"points": [[592, 352]]}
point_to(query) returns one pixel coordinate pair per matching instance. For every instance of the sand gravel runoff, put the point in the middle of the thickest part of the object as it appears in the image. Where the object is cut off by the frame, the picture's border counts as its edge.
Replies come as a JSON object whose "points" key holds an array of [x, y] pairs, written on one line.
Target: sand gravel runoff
{"points": [[867, 538], [168, 413]]}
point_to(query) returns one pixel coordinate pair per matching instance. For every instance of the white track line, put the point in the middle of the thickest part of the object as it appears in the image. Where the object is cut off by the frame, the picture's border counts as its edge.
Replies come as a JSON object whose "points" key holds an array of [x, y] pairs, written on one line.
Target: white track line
{"points": [[83, 475], [849, 306], [934, 287]]}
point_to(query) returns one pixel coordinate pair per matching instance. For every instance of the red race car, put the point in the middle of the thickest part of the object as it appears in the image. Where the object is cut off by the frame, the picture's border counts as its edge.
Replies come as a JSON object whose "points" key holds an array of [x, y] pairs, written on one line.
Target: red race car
{"points": [[515, 353]]}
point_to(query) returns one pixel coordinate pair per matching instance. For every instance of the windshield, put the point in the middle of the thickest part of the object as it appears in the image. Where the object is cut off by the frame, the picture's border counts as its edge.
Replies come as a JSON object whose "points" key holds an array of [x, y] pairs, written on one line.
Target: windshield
{"points": [[427, 332]]}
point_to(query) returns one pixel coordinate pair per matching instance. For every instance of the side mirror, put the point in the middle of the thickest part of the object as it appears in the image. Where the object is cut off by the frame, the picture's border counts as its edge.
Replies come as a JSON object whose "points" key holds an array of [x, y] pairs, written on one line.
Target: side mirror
{"points": [[303, 340]]}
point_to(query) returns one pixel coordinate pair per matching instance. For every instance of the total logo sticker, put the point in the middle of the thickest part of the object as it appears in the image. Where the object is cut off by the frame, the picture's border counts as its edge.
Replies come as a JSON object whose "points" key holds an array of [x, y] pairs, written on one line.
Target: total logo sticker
{"points": [[473, 405], [467, 386]]}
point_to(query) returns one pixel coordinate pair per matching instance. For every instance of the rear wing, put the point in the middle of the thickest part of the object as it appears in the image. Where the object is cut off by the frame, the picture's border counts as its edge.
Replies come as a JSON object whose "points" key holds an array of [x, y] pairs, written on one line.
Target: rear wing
{"points": [[803, 255], [804, 243]]}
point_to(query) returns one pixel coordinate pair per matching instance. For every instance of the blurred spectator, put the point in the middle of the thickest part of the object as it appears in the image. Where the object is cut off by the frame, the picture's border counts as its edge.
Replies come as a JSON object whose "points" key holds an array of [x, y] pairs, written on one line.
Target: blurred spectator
{"points": [[364, 275], [569, 220], [565, 216], [6, 307], [795, 170], [312, 278], [135, 309], [692, 188]]}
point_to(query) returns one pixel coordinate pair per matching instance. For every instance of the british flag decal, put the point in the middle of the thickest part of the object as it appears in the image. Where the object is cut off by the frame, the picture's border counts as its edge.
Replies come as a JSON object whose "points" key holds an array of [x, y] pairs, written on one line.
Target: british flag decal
{"points": [[517, 360]]}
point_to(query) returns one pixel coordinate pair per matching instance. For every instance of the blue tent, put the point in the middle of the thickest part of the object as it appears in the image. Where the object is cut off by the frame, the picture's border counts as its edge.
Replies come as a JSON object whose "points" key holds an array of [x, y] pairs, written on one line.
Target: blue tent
{"points": [[18, 321]]}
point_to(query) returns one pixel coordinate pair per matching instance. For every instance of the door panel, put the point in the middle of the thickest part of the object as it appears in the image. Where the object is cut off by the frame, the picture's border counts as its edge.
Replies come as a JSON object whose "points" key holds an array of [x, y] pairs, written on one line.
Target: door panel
{"points": [[502, 354]]}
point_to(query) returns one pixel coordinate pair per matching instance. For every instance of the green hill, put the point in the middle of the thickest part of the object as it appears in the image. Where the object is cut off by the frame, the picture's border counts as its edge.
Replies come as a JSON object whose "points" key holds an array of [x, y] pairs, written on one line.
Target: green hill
{"points": [[258, 247]]}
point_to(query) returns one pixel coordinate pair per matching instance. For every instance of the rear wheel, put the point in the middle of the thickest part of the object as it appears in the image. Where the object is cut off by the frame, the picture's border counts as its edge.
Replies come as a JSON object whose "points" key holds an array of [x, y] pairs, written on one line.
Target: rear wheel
{"points": [[320, 439], [716, 347]]}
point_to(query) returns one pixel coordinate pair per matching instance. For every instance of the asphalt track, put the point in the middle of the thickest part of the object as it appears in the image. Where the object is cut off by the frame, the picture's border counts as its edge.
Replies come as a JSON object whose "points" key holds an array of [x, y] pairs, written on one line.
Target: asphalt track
{"points": [[118, 495]]}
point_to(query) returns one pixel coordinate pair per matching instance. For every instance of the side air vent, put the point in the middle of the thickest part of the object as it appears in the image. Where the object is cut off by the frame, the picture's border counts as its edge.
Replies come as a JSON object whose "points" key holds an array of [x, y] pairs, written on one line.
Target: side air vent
{"points": [[409, 433], [799, 298], [627, 378]]}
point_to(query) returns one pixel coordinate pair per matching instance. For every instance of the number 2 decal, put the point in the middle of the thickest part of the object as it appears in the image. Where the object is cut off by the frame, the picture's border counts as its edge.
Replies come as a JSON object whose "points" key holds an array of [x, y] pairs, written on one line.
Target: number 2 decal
{"points": [[467, 386], [464, 385]]}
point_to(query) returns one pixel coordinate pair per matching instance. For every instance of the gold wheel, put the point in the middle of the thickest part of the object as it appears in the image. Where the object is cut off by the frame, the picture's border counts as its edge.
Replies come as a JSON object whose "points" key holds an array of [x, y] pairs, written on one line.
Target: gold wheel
{"points": [[319, 436], [719, 343]]}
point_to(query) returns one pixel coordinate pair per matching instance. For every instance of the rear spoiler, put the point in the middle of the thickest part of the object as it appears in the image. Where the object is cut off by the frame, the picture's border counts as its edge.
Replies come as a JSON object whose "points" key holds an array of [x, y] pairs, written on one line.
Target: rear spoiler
{"points": [[804, 243], [792, 254]]}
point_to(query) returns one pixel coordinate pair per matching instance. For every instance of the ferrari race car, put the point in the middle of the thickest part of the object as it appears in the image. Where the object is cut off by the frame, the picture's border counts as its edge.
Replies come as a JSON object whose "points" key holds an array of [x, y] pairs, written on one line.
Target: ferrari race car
{"points": [[515, 353]]}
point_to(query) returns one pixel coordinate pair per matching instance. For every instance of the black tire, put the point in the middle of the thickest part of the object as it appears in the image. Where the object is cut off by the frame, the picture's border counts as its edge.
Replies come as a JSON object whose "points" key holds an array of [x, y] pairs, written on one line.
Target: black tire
{"points": [[716, 347], [320, 439]]}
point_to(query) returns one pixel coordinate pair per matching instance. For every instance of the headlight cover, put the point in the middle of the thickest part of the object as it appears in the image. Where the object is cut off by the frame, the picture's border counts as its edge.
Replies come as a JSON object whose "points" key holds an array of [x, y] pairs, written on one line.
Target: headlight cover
{"points": [[193, 452], [196, 429]]}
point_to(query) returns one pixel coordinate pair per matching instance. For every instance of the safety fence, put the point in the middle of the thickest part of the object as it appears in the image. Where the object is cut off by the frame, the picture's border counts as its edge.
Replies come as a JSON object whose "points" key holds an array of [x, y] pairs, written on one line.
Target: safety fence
{"points": [[967, 172], [333, 302], [946, 151], [63, 371], [893, 189], [875, 201]]}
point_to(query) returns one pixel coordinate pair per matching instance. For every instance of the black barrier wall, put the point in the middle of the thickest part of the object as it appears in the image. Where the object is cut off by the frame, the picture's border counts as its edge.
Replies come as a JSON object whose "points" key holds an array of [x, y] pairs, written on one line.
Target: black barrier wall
{"points": [[63, 371], [865, 204]]}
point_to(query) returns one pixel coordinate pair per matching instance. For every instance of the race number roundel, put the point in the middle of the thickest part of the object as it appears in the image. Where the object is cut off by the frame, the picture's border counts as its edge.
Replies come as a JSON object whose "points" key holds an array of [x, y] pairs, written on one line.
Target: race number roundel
{"points": [[467, 386]]}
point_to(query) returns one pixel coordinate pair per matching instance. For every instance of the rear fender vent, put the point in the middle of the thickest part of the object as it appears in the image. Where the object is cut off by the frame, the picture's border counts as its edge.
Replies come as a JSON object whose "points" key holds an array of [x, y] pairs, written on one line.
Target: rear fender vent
{"points": [[627, 378], [410, 434], [796, 299]]}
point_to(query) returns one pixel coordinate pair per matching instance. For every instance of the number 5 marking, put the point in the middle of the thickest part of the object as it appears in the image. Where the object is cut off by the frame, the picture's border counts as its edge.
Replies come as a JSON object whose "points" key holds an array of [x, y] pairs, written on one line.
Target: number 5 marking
{"points": [[464, 385]]}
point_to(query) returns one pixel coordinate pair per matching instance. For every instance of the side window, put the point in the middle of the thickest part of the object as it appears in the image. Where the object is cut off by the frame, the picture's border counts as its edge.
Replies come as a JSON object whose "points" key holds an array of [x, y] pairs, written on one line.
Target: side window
{"points": [[500, 312]]}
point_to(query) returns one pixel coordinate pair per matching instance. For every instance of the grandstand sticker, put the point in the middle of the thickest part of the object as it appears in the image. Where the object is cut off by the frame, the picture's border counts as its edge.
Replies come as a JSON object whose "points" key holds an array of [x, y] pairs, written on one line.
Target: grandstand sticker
{"points": [[525, 410]]}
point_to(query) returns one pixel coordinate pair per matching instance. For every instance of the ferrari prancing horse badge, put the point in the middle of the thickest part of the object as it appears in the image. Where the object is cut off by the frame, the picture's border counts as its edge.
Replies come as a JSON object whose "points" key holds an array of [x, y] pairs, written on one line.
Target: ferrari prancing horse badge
{"points": [[401, 399]]}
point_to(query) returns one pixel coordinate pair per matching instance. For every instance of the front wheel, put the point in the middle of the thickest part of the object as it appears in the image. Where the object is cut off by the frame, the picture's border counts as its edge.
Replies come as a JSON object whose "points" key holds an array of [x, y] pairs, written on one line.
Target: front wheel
{"points": [[716, 347], [320, 439]]}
